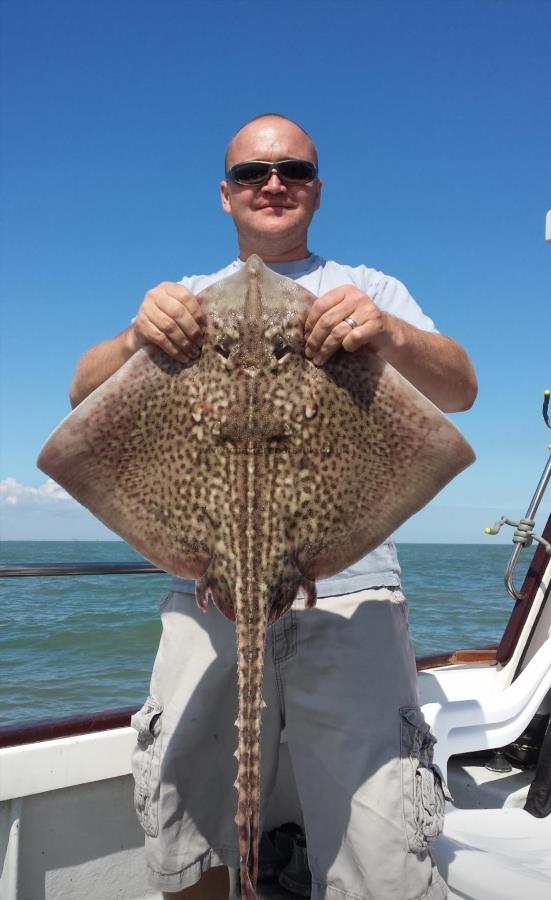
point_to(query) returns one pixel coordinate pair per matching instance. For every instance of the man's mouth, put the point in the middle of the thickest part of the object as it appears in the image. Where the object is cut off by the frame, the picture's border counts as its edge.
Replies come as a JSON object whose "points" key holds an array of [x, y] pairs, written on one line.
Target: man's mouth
{"points": [[275, 206]]}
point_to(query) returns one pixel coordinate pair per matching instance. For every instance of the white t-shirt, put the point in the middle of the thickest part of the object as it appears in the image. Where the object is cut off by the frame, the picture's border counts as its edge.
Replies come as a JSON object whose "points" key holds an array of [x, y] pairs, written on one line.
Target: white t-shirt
{"points": [[380, 568]]}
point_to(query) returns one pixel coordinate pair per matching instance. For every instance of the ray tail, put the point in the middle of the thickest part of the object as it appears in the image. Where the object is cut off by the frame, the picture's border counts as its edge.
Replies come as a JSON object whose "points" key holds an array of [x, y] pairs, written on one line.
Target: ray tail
{"points": [[251, 635]]}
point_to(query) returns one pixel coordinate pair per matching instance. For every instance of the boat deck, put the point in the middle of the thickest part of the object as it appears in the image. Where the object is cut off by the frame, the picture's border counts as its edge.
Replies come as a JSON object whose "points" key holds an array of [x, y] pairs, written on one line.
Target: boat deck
{"points": [[473, 786], [270, 890]]}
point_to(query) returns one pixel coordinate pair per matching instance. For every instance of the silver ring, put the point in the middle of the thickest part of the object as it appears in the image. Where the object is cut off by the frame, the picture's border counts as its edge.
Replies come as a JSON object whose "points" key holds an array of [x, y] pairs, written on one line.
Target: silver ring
{"points": [[352, 322]]}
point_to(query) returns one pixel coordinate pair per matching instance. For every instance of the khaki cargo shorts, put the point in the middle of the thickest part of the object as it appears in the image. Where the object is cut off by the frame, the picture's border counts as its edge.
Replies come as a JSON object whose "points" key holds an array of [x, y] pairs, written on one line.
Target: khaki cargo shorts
{"points": [[341, 680]]}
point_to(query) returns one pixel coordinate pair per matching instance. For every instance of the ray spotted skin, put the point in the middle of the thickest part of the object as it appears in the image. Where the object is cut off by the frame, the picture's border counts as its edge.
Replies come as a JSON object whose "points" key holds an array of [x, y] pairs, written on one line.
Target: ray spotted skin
{"points": [[254, 472]]}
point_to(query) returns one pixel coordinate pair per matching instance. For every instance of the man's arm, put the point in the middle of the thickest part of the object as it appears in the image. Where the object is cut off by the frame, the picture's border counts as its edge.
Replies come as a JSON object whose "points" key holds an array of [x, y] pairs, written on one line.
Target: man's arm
{"points": [[437, 365], [169, 317], [99, 363]]}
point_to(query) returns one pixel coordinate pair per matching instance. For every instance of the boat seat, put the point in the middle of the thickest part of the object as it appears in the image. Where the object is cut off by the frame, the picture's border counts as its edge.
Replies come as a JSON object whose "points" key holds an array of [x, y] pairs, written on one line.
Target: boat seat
{"points": [[488, 854], [473, 713]]}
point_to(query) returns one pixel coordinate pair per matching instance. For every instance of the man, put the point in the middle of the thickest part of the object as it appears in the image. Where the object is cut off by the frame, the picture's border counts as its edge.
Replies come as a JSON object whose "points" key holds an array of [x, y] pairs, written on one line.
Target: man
{"points": [[340, 678]]}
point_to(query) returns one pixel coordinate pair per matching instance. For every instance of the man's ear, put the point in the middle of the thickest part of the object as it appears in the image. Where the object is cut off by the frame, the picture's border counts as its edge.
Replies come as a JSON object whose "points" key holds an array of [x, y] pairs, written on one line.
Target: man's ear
{"points": [[225, 196], [318, 198]]}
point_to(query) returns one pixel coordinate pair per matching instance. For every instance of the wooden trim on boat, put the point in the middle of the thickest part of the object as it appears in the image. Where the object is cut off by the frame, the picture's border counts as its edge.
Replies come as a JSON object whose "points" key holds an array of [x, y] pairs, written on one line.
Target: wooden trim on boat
{"points": [[522, 607], [70, 726], [454, 657]]}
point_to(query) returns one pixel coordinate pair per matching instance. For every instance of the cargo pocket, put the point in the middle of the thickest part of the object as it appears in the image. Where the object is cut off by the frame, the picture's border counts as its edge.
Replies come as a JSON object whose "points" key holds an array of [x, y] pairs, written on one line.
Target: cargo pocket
{"points": [[146, 763], [424, 790]]}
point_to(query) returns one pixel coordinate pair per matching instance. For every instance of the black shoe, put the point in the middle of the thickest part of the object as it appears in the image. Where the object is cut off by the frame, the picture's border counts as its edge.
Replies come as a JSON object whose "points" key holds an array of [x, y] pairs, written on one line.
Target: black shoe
{"points": [[296, 877], [276, 849]]}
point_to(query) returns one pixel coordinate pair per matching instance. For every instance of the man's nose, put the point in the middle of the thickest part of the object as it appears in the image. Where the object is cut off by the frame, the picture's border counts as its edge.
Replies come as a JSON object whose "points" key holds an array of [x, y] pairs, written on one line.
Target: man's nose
{"points": [[274, 182]]}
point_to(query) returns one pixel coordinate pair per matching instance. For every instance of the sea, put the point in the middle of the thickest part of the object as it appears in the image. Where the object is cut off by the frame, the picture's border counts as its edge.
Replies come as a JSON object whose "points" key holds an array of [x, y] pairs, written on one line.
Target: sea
{"points": [[76, 644]]}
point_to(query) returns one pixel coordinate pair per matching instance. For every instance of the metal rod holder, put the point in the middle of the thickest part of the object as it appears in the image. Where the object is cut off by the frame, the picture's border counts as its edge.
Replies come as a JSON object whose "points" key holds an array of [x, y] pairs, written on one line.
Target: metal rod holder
{"points": [[524, 531], [530, 514]]}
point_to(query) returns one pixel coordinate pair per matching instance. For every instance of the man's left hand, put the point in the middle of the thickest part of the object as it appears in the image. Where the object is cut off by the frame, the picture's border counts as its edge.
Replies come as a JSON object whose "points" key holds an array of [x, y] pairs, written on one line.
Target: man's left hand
{"points": [[326, 330]]}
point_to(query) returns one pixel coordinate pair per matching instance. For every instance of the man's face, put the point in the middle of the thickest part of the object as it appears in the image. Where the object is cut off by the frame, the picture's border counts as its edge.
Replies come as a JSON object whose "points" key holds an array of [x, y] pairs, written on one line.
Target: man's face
{"points": [[272, 216]]}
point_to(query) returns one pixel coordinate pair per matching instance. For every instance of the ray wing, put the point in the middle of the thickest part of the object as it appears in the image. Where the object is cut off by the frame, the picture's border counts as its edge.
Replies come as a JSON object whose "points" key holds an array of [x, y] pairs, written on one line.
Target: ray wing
{"points": [[374, 452], [133, 453]]}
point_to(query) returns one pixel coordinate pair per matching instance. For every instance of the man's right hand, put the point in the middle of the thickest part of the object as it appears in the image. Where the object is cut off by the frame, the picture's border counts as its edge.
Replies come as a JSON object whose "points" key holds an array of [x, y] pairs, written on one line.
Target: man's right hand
{"points": [[171, 317]]}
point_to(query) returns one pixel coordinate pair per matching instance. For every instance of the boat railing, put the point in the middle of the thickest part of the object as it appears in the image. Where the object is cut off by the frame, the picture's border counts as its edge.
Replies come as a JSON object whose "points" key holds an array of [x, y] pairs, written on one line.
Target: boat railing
{"points": [[133, 567]]}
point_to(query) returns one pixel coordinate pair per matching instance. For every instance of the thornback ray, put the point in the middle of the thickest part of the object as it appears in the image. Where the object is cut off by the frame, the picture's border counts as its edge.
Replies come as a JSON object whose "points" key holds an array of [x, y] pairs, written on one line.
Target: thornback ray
{"points": [[254, 472]]}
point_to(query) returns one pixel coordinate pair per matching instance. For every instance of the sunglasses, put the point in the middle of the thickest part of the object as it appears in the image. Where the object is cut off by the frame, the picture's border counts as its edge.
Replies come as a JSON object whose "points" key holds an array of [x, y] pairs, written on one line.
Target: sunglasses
{"points": [[258, 171]]}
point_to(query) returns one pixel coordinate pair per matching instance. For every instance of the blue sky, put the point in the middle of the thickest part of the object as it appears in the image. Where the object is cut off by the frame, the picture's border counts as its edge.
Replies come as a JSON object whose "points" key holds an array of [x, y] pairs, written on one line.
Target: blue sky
{"points": [[433, 123]]}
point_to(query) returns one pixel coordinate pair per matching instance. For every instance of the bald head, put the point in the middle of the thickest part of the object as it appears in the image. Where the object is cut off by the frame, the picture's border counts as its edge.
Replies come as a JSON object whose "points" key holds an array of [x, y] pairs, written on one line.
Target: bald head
{"points": [[266, 123]]}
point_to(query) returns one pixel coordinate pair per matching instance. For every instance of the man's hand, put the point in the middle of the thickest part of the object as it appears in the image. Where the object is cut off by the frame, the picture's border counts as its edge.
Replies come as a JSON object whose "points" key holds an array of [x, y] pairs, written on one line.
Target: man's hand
{"points": [[326, 330], [434, 363], [171, 317]]}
